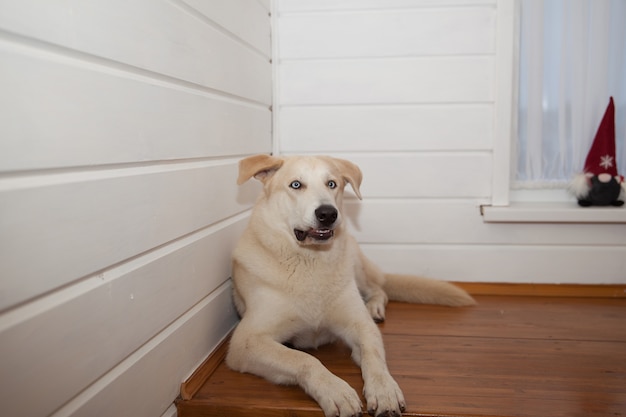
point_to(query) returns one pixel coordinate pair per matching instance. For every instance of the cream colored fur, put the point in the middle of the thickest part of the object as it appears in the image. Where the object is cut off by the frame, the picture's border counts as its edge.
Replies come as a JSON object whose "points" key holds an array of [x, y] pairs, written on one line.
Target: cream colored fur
{"points": [[310, 292]]}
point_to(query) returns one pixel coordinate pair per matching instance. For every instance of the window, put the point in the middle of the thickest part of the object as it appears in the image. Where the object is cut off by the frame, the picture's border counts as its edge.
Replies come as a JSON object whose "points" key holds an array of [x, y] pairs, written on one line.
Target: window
{"points": [[569, 57], [572, 59]]}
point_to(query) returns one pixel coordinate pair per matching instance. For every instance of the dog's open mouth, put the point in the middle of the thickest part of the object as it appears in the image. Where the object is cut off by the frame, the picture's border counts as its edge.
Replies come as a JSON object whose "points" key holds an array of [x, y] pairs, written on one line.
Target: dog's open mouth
{"points": [[317, 234]]}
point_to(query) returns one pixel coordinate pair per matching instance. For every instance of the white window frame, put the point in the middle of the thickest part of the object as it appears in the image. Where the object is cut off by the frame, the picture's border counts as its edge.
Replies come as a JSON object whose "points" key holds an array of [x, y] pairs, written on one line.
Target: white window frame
{"points": [[507, 57]]}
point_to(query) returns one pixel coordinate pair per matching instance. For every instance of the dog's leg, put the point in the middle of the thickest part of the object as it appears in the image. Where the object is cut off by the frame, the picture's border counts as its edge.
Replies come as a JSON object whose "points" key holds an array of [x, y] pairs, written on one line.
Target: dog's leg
{"points": [[370, 280], [383, 395], [259, 354]]}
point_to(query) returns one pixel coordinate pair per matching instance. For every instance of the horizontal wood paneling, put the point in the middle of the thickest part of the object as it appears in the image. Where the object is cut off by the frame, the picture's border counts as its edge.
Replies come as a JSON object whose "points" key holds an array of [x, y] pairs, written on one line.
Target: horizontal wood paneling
{"points": [[146, 382], [83, 331], [408, 90], [67, 114], [440, 31], [253, 29], [78, 224], [324, 129], [504, 263], [167, 41], [463, 79], [452, 221], [424, 174], [122, 125], [318, 5]]}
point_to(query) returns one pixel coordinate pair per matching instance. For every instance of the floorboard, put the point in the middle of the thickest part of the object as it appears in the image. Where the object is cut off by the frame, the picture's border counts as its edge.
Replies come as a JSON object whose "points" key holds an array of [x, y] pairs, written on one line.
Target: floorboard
{"points": [[509, 356]]}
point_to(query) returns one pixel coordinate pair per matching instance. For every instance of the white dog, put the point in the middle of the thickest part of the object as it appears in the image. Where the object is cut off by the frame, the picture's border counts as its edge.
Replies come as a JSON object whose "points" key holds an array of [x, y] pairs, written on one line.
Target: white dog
{"points": [[301, 279]]}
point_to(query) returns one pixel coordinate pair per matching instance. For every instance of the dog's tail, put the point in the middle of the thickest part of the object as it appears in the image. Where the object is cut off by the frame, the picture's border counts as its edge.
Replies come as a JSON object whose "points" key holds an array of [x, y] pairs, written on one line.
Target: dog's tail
{"points": [[414, 289]]}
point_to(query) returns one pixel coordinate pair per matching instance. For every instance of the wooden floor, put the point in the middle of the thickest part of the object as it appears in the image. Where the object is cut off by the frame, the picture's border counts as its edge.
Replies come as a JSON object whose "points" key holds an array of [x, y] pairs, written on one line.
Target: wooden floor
{"points": [[508, 356]]}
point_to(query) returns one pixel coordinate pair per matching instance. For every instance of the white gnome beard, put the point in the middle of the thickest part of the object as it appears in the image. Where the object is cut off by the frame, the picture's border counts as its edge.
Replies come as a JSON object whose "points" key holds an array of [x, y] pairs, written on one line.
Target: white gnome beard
{"points": [[579, 186]]}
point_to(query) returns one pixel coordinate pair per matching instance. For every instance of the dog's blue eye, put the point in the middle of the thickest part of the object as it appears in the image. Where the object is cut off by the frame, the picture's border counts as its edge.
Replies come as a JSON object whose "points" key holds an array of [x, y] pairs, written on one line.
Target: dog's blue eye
{"points": [[332, 184], [295, 185]]}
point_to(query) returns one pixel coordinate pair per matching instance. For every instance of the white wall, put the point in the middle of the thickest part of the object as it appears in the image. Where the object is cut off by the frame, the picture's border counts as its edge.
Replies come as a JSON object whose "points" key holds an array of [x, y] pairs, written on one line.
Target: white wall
{"points": [[121, 124], [412, 91]]}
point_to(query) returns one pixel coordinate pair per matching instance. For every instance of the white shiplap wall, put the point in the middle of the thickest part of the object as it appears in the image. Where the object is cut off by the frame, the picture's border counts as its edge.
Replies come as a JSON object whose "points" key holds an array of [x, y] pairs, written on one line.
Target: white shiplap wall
{"points": [[121, 124], [415, 92]]}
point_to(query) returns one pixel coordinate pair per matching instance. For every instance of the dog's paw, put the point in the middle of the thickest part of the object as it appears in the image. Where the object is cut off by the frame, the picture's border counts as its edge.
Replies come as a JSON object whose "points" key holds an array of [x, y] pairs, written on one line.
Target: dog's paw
{"points": [[384, 397], [376, 307], [338, 399]]}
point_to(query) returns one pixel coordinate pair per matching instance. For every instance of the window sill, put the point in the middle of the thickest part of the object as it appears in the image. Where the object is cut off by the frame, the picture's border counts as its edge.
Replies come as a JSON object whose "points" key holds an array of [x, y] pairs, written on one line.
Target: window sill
{"points": [[551, 212]]}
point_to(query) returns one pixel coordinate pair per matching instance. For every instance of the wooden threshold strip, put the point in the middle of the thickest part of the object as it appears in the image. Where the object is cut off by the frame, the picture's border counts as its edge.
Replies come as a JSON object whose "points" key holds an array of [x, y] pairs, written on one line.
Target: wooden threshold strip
{"points": [[546, 290]]}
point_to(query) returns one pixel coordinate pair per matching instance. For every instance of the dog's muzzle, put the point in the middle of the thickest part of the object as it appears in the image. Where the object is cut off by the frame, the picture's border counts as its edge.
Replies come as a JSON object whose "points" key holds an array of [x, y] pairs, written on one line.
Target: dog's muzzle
{"points": [[326, 216]]}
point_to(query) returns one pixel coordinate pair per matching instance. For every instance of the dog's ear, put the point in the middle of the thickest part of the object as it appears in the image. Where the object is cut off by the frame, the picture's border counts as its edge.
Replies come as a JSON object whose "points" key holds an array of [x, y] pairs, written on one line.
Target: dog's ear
{"points": [[351, 173], [260, 167]]}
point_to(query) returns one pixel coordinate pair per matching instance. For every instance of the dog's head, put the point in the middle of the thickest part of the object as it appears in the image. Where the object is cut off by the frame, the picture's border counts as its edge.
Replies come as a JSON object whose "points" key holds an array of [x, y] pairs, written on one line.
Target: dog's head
{"points": [[304, 193]]}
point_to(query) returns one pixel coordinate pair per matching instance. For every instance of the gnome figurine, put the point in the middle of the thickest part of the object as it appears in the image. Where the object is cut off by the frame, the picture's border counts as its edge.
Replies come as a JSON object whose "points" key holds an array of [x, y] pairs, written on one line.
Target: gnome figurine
{"points": [[599, 184]]}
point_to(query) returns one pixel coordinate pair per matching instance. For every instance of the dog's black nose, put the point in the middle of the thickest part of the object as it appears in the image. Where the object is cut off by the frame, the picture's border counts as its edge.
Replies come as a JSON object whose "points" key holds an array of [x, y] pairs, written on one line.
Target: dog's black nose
{"points": [[326, 215]]}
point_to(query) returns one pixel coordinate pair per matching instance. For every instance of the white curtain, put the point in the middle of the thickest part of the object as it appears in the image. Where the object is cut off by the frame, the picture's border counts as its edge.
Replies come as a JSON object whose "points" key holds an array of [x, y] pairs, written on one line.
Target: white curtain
{"points": [[572, 59]]}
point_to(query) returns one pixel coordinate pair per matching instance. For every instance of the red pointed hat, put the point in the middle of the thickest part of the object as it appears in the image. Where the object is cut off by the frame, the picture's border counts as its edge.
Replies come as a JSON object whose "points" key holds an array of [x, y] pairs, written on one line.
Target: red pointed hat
{"points": [[601, 157]]}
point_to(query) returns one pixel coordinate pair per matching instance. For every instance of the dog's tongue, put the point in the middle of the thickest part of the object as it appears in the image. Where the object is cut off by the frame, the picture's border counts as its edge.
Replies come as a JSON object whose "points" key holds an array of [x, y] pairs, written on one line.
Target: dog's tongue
{"points": [[318, 234]]}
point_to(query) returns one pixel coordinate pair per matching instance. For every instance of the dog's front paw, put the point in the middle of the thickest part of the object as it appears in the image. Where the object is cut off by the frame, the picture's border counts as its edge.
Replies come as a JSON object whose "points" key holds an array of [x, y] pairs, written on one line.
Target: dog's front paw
{"points": [[384, 397], [338, 399]]}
